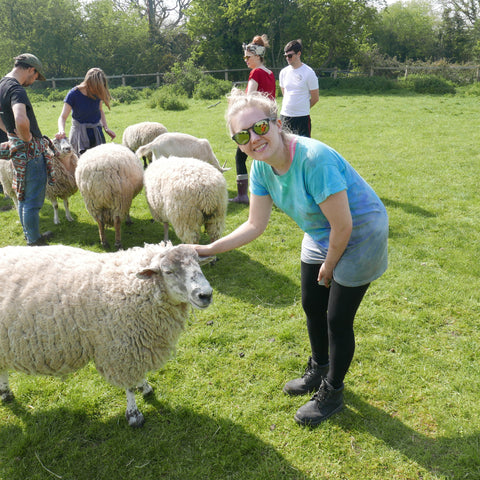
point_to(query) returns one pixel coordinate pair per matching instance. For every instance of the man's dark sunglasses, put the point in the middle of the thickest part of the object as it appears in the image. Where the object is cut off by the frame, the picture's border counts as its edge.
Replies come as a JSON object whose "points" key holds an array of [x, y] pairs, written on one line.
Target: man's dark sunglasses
{"points": [[260, 128], [289, 55]]}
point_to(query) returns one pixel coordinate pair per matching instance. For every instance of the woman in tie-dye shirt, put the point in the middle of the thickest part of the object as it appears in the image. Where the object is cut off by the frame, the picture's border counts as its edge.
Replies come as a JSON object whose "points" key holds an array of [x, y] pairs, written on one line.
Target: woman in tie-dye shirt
{"points": [[344, 247]]}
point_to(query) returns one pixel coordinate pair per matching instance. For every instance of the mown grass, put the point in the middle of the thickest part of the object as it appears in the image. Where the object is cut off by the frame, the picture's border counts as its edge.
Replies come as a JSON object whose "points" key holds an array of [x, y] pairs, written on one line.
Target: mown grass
{"points": [[219, 413]]}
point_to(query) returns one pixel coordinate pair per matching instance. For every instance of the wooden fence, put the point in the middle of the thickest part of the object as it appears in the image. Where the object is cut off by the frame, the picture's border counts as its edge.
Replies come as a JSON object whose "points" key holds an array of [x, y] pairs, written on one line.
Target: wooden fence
{"points": [[240, 74]]}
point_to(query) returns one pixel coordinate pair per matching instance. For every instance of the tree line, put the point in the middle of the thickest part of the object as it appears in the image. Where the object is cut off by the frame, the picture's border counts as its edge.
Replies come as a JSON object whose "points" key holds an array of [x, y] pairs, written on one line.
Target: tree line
{"points": [[146, 36]]}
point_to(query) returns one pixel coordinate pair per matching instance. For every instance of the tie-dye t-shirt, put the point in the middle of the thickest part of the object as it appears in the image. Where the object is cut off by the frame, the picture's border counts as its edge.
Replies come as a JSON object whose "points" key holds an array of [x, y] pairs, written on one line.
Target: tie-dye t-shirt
{"points": [[317, 171]]}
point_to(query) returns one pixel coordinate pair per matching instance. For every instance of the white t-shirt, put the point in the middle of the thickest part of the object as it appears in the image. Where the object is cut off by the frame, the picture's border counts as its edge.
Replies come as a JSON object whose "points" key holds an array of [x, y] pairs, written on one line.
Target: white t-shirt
{"points": [[296, 84]]}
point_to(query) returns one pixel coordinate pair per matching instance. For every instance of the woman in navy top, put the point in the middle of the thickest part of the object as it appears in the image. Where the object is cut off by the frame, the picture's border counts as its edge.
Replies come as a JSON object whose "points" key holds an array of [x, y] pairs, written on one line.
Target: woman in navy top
{"points": [[85, 103]]}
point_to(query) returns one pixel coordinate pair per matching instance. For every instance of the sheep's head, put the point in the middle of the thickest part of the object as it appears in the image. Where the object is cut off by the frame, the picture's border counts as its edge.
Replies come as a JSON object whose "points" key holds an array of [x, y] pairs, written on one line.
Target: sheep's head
{"points": [[62, 145], [178, 270]]}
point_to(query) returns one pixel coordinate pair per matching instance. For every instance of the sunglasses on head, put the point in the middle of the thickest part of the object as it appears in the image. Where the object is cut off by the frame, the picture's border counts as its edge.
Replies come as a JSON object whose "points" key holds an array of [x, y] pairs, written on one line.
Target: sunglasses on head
{"points": [[289, 55], [260, 128]]}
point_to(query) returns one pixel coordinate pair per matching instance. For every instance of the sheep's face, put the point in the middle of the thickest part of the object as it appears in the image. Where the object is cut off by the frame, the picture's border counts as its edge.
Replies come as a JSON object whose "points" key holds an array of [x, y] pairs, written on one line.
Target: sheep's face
{"points": [[63, 145], [181, 276]]}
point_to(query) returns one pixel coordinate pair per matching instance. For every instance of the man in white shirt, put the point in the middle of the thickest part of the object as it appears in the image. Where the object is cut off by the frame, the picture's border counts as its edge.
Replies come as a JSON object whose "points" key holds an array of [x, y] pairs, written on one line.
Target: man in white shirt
{"points": [[299, 86]]}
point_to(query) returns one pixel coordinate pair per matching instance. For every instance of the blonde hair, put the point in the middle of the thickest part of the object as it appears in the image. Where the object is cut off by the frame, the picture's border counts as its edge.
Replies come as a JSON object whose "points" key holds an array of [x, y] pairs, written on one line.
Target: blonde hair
{"points": [[96, 85]]}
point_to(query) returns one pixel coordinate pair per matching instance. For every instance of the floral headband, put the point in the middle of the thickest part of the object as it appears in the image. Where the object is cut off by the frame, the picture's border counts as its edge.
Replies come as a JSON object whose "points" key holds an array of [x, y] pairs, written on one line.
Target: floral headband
{"points": [[254, 48]]}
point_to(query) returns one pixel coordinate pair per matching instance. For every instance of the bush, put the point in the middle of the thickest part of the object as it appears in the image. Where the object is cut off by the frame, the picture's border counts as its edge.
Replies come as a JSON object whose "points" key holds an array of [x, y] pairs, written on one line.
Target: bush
{"points": [[471, 90], [210, 88], [124, 94], [185, 75], [430, 84], [357, 84], [169, 97]]}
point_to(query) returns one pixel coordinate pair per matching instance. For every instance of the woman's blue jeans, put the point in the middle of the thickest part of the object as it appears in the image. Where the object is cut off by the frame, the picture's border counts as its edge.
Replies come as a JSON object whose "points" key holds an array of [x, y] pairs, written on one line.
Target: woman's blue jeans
{"points": [[29, 209]]}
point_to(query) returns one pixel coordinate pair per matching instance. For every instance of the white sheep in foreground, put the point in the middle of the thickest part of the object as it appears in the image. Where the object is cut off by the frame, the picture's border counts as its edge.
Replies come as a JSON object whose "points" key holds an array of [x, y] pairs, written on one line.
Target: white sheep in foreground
{"points": [[109, 176], [6, 177], [187, 193], [64, 306], [178, 144], [140, 134], [64, 164]]}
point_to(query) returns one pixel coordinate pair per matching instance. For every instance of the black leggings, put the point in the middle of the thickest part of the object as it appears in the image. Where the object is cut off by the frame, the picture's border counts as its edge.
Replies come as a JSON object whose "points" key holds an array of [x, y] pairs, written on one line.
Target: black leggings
{"points": [[330, 313], [240, 162]]}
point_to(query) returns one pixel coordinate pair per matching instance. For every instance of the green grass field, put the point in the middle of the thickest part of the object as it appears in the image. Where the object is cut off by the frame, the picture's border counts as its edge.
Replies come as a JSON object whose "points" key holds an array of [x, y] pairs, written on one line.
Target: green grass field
{"points": [[412, 409]]}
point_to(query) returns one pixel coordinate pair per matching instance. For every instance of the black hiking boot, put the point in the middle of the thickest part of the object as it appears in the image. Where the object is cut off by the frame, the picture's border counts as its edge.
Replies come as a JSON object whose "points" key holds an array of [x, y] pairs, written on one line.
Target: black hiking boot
{"points": [[325, 403], [309, 382]]}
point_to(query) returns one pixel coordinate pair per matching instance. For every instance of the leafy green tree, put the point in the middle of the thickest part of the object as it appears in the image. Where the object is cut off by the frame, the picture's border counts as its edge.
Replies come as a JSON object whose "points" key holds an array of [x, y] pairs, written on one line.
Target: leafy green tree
{"points": [[408, 31], [51, 29], [335, 31], [219, 27]]}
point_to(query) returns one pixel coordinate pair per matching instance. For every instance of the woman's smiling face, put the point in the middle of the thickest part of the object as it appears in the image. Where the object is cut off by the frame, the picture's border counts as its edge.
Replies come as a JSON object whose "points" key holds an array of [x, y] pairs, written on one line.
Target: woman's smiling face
{"points": [[259, 147]]}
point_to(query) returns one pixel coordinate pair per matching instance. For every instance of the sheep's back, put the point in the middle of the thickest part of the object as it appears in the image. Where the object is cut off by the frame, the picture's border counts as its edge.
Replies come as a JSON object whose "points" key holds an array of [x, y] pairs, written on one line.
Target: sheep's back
{"points": [[109, 176], [177, 182], [139, 134]]}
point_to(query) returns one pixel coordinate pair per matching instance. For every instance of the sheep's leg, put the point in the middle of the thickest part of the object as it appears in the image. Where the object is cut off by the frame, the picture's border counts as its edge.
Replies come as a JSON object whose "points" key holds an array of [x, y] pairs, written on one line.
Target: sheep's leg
{"points": [[133, 414], [6, 394], [67, 210], [117, 223], [101, 232], [145, 388], [165, 231], [56, 220]]}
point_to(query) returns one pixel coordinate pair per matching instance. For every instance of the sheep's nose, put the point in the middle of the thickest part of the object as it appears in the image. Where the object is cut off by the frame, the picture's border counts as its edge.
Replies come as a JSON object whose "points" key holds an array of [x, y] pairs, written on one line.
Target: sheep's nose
{"points": [[204, 295]]}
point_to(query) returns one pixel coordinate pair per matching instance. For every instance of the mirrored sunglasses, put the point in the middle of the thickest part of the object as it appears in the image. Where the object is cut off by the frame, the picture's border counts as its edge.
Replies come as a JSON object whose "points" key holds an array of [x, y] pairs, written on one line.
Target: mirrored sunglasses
{"points": [[260, 128]]}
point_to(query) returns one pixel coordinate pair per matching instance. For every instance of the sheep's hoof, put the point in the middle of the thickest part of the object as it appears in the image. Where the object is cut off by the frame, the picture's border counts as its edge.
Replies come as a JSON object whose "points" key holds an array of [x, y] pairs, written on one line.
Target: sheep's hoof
{"points": [[6, 396], [135, 418]]}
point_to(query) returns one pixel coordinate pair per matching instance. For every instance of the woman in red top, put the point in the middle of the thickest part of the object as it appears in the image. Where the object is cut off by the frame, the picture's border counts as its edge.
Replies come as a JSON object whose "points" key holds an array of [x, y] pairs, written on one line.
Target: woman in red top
{"points": [[261, 79]]}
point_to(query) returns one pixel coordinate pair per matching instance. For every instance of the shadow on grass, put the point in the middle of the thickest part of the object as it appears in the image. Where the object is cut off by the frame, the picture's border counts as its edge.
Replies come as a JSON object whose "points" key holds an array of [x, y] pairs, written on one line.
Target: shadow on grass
{"points": [[408, 208], [235, 274], [173, 444], [454, 458]]}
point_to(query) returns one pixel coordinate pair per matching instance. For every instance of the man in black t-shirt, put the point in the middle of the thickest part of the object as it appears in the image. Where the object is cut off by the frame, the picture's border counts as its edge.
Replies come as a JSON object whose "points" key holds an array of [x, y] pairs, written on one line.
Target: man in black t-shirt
{"points": [[18, 120]]}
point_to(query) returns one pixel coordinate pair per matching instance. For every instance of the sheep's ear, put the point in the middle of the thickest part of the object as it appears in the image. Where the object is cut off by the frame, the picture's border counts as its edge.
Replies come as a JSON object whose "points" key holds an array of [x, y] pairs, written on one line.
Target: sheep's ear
{"points": [[205, 260], [147, 273]]}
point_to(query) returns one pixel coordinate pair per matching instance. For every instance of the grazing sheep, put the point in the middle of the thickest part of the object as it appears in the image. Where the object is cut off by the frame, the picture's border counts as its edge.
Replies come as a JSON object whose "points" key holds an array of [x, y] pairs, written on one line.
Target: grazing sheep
{"points": [[188, 193], [64, 163], [140, 134], [181, 145], [64, 306], [109, 176], [6, 177]]}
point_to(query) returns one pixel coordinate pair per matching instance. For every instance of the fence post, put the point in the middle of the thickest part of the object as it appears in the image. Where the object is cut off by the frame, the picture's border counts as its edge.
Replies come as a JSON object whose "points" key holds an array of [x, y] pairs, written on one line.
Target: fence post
{"points": [[371, 71], [123, 80], [335, 72], [54, 85], [226, 75], [477, 75], [158, 79], [406, 72]]}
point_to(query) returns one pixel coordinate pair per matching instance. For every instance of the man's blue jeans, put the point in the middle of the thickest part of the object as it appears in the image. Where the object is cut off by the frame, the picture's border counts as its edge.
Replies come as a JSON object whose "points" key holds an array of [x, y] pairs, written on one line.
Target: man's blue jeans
{"points": [[29, 209]]}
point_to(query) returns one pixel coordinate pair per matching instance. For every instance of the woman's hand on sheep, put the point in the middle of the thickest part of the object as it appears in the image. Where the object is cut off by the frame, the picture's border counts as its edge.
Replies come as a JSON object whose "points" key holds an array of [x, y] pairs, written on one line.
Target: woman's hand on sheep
{"points": [[203, 250], [60, 135]]}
